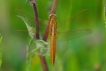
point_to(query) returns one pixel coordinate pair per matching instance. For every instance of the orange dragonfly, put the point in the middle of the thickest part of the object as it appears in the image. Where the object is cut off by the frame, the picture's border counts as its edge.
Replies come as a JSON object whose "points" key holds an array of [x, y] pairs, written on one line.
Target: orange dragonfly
{"points": [[29, 21]]}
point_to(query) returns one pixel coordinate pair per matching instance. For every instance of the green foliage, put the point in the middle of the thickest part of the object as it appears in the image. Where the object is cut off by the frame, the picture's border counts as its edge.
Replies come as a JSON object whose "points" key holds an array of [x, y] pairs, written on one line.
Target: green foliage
{"points": [[0, 51], [41, 46], [41, 49], [105, 12], [82, 54]]}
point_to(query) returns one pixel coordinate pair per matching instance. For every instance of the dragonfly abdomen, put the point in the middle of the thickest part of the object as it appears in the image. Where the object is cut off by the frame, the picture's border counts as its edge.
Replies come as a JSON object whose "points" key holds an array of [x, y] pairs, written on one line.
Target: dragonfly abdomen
{"points": [[53, 48]]}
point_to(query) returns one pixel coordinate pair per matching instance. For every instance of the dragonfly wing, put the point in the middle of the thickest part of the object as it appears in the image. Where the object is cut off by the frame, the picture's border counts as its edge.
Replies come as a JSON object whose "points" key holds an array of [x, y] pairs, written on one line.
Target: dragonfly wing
{"points": [[76, 20], [69, 35], [28, 20], [26, 17]]}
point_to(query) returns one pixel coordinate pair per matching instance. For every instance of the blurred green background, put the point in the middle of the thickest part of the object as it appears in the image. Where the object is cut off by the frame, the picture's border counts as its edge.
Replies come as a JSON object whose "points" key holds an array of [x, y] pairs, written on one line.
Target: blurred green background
{"points": [[82, 54]]}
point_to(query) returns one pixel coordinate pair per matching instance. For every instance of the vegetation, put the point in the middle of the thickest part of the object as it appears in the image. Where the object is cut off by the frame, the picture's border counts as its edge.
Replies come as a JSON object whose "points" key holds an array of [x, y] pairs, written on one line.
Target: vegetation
{"points": [[20, 49], [0, 51]]}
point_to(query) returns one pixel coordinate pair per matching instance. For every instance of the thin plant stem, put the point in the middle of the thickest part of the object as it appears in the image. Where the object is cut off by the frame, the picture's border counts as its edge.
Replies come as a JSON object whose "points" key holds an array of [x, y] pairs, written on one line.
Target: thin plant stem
{"points": [[54, 6], [42, 58], [28, 56], [0, 52], [36, 18]]}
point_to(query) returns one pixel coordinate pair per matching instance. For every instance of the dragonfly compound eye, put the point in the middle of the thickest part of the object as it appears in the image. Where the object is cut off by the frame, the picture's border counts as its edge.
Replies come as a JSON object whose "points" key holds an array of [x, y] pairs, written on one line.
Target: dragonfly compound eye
{"points": [[52, 16]]}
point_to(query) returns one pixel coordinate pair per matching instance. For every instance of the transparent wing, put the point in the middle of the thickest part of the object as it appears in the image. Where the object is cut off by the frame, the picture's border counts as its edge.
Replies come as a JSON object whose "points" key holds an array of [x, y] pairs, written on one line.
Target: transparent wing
{"points": [[25, 16], [29, 22], [75, 20], [69, 35]]}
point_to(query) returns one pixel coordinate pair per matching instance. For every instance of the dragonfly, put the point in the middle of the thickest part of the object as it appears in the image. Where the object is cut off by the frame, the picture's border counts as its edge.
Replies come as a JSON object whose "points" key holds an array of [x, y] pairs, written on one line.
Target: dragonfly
{"points": [[52, 31]]}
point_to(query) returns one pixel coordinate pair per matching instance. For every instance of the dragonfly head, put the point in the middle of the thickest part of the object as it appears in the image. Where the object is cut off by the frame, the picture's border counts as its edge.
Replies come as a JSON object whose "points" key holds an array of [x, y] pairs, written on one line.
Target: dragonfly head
{"points": [[53, 16]]}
